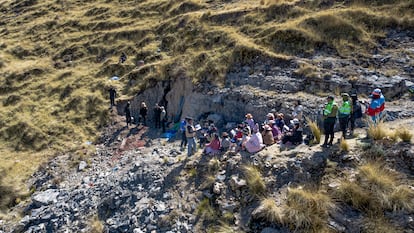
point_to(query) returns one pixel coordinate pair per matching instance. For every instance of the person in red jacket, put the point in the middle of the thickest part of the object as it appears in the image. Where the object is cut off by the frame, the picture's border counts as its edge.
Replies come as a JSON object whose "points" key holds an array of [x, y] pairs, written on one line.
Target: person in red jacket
{"points": [[214, 146]]}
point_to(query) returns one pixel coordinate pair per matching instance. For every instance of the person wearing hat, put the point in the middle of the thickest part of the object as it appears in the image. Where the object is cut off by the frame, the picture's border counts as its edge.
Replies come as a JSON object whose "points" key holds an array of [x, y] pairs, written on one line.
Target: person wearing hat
{"points": [[250, 121], [143, 113], [344, 113], [277, 135], [329, 115], [268, 136], [376, 105], [356, 111], [254, 143], [294, 135], [214, 146]]}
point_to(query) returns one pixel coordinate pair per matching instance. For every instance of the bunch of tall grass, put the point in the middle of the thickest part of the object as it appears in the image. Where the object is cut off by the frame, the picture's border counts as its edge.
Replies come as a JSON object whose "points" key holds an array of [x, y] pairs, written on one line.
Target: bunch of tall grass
{"points": [[376, 189], [316, 131], [254, 180], [307, 210], [377, 131], [404, 134]]}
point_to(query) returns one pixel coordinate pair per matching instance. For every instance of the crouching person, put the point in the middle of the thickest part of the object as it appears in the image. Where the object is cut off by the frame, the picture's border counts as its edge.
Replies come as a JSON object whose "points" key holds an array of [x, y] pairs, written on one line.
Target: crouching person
{"points": [[214, 146], [294, 135]]}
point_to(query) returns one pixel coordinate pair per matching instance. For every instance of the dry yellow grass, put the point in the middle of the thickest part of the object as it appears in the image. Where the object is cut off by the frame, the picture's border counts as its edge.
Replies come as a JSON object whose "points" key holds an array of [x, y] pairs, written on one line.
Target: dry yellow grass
{"points": [[270, 211], [254, 180], [205, 210], [316, 131], [376, 189], [307, 210], [344, 145], [404, 134], [377, 131], [96, 225], [57, 58]]}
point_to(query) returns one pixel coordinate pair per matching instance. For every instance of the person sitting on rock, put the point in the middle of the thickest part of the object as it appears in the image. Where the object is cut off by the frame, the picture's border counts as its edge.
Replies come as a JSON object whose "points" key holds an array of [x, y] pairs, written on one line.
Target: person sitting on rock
{"points": [[277, 135], [294, 135], [225, 142], [250, 121], [269, 117], [254, 143], [214, 146], [202, 135], [268, 135], [280, 122]]}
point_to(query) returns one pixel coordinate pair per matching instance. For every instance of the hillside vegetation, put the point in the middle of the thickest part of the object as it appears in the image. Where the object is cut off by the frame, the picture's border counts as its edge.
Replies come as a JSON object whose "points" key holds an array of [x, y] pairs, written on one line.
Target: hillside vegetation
{"points": [[57, 56]]}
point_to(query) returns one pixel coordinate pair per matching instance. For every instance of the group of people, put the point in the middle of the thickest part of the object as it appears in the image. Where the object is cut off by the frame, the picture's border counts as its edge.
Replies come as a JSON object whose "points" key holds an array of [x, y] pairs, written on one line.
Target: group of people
{"points": [[253, 136], [349, 113], [247, 136]]}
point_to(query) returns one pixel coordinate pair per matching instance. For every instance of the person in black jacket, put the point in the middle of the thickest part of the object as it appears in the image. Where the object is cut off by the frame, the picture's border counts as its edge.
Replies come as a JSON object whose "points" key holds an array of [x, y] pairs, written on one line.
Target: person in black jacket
{"points": [[128, 114], [112, 95], [157, 116], [143, 113], [356, 111]]}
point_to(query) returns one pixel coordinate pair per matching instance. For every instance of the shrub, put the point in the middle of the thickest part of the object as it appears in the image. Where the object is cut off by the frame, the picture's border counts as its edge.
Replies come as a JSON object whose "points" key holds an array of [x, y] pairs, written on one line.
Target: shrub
{"points": [[376, 131], [404, 134], [96, 225], [270, 211], [343, 145], [205, 210], [307, 210], [316, 131], [375, 190], [254, 180]]}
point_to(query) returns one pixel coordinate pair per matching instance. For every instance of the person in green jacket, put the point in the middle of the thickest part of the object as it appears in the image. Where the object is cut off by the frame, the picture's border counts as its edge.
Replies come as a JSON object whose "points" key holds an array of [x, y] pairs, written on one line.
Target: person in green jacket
{"points": [[344, 113], [329, 115]]}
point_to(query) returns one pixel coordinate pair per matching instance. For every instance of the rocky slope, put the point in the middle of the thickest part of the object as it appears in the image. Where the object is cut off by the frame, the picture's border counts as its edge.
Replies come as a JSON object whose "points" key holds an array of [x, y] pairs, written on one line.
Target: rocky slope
{"points": [[138, 182]]}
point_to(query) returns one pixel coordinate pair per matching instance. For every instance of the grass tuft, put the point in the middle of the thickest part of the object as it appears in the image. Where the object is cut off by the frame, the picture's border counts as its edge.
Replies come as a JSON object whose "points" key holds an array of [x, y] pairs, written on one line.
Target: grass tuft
{"points": [[343, 145], [377, 131], [316, 131], [307, 210], [96, 225], [270, 211], [254, 180], [404, 134], [375, 190], [205, 210]]}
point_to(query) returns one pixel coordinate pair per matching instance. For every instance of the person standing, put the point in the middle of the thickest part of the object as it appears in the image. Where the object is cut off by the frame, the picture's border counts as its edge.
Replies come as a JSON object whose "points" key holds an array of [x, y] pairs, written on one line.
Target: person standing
{"points": [[163, 118], [128, 113], [356, 112], [190, 133], [157, 116], [143, 113], [112, 95], [183, 124], [344, 113], [376, 106], [298, 111], [329, 114]]}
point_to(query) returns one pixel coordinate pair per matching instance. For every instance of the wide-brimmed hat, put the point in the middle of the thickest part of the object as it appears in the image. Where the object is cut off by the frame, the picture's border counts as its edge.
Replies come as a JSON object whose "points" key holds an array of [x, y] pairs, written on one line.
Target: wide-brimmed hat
{"points": [[224, 134], [271, 122], [267, 128], [295, 122], [270, 115], [249, 116]]}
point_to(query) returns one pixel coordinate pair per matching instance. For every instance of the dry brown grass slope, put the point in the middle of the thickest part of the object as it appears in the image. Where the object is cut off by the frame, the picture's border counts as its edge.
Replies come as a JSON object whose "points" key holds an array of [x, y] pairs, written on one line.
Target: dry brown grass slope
{"points": [[56, 56]]}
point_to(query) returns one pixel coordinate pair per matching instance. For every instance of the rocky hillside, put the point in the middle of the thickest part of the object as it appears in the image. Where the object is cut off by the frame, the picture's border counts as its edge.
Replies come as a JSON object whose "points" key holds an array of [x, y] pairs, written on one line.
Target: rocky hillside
{"points": [[210, 59]]}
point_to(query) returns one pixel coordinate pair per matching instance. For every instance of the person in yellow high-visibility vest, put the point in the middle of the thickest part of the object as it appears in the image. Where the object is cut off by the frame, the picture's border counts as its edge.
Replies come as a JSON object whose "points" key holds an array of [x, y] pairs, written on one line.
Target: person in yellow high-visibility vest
{"points": [[344, 113], [329, 115]]}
